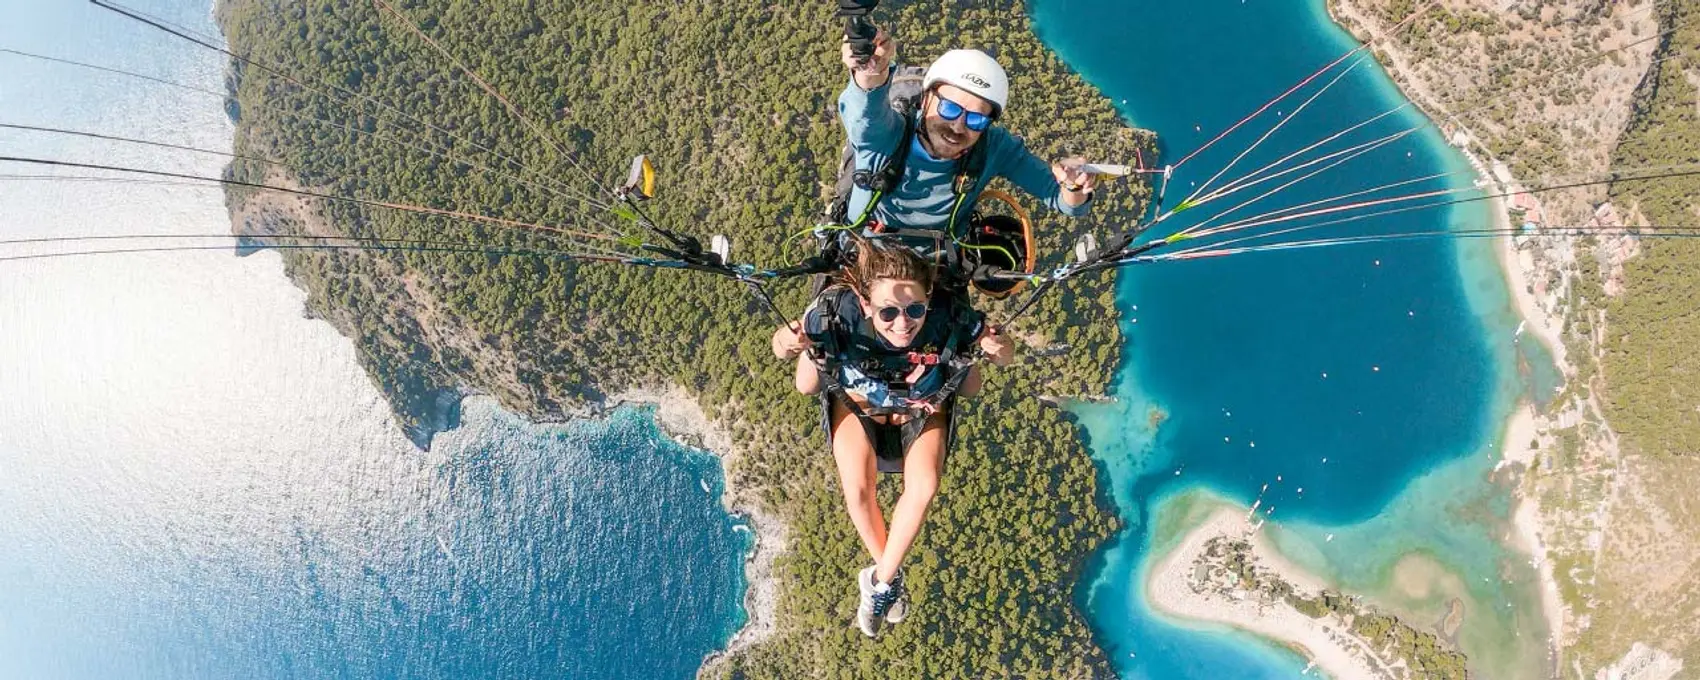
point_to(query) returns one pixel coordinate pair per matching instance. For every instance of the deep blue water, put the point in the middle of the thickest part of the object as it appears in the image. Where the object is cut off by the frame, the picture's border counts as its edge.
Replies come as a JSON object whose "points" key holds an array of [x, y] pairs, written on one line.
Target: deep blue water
{"points": [[1265, 365]]}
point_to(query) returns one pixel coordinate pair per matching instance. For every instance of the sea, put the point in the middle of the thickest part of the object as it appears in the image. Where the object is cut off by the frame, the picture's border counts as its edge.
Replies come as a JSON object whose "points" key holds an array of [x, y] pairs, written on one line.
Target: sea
{"points": [[197, 480], [1357, 393]]}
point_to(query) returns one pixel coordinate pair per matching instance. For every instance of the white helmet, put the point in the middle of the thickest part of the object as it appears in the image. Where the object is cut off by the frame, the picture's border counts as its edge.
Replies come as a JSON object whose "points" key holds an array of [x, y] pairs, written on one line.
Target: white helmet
{"points": [[971, 70]]}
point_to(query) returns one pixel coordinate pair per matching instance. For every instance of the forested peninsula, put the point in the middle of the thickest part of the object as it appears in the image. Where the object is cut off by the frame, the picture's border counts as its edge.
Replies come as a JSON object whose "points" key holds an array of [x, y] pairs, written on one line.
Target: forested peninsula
{"points": [[734, 103]]}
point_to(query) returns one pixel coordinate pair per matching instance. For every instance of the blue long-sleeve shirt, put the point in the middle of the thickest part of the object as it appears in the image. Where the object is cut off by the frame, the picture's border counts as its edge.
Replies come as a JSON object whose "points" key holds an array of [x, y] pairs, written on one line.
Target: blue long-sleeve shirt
{"points": [[923, 199]]}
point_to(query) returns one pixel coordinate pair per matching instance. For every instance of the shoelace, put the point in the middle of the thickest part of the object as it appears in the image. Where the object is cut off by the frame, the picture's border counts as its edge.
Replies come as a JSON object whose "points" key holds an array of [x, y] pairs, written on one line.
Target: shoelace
{"points": [[883, 601]]}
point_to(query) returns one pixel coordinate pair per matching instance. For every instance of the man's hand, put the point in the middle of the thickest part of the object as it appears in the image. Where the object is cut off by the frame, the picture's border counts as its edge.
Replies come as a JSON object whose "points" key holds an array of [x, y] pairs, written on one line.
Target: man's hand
{"points": [[1076, 183], [999, 349], [872, 73]]}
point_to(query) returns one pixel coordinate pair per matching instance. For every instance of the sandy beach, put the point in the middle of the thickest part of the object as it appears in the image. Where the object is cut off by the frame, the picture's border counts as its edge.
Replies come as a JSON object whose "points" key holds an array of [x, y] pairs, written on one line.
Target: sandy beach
{"points": [[683, 420], [1519, 269], [1526, 518], [1172, 588]]}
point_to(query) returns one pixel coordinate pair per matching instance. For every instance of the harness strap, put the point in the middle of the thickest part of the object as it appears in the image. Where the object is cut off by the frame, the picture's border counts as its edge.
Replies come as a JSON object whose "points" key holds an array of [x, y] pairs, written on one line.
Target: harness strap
{"points": [[828, 364], [886, 179], [936, 400]]}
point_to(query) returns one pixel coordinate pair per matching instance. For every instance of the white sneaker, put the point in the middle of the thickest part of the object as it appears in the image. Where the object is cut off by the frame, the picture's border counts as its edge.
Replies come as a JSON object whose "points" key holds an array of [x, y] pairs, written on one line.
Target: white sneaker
{"points": [[866, 619]]}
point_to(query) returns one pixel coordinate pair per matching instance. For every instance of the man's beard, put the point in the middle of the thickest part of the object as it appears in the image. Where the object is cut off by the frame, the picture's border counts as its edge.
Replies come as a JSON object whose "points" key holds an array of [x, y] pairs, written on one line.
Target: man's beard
{"points": [[944, 142]]}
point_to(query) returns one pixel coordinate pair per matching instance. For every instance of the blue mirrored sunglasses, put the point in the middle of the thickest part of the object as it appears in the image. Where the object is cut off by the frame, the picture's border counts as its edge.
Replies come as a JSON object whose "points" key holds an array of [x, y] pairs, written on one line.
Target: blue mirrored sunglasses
{"points": [[950, 110]]}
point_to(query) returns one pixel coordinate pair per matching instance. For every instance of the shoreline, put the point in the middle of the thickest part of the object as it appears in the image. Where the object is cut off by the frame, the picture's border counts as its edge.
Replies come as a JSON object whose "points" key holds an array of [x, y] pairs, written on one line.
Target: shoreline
{"points": [[682, 419], [1325, 642], [1523, 424], [1526, 526]]}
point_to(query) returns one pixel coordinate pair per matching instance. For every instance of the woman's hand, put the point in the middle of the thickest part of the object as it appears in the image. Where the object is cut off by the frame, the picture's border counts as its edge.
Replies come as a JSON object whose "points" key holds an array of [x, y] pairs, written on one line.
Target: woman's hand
{"points": [[999, 349], [872, 73], [789, 341]]}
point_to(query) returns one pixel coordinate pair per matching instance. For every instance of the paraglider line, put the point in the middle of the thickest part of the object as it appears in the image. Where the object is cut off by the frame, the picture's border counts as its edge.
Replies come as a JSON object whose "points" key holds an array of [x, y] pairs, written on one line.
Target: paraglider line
{"points": [[279, 72], [434, 150], [1440, 204], [1306, 81], [314, 194]]}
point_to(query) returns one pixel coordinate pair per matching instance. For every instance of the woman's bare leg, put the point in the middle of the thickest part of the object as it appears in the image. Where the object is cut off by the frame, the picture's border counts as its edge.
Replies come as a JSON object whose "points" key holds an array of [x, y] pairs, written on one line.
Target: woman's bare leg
{"points": [[859, 476], [922, 467]]}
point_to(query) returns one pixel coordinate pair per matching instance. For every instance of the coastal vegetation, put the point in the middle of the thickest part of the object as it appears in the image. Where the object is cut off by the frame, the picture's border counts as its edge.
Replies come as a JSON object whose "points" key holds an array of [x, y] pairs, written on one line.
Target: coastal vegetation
{"points": [[1652, 374], [734, 103], [1649, 376], [1416, 653], [1622, 469], [1540, 87]]}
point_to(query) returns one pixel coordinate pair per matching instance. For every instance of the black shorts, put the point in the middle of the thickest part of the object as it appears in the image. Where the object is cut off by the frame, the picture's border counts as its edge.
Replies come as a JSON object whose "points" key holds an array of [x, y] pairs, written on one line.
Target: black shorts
{"points": [[891, 442]]}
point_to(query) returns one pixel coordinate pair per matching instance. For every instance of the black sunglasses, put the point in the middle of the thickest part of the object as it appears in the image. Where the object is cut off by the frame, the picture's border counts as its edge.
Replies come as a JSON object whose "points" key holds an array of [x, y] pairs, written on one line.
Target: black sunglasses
{"points": [[915, 310]]}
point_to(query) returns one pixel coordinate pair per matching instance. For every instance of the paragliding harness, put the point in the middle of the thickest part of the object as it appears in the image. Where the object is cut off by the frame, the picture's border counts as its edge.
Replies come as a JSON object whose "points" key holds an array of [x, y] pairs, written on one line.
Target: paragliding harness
{"points": [[996, 242], [891, 441], [905, 95], [989, 241]]}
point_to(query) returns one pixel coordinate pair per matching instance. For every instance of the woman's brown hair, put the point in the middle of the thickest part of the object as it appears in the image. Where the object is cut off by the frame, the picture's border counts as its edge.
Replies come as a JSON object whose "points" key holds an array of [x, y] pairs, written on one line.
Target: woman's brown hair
{"points": [[877, 260]]}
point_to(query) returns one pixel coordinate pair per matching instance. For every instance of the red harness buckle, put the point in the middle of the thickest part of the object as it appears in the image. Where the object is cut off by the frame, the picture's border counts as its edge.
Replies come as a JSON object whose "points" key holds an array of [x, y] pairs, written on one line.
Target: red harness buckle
{"points": [[919, 359]]}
